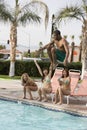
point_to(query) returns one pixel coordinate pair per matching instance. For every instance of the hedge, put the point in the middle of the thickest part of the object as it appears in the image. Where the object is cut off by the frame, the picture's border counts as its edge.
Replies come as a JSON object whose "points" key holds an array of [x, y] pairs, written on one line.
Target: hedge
{"points": [[30, 68]]}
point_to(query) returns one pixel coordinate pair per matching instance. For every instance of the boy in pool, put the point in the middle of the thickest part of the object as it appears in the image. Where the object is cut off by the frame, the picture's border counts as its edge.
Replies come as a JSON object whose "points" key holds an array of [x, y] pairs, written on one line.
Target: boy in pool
{"points": [[29, 85]]}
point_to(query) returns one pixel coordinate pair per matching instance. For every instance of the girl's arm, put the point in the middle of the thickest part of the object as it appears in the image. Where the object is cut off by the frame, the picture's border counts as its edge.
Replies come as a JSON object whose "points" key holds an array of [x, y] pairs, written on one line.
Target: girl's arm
{"points": [[38, 67]]}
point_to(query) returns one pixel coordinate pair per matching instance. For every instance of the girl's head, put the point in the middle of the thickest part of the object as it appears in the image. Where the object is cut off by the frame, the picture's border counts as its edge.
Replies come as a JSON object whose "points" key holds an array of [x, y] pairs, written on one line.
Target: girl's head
{"points": [[65, 73], [25, 76], [45, 72]]}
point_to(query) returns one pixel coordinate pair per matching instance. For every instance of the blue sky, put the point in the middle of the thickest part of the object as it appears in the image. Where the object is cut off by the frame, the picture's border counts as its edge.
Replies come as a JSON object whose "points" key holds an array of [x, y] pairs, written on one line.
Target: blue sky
{"points": [[31, 35]]}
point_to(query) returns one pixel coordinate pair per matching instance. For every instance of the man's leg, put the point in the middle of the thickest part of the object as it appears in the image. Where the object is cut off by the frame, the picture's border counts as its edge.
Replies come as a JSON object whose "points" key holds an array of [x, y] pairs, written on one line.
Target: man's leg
{"points": [[53, 52], [49, 53]]}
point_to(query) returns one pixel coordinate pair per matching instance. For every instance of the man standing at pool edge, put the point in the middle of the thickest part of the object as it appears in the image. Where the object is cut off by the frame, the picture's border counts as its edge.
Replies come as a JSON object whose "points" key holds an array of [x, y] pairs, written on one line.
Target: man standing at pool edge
{"points": [[58, 50]]}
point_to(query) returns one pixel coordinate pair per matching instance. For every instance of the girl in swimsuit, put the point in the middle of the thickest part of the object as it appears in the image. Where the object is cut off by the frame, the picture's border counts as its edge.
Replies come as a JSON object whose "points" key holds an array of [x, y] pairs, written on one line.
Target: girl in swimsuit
{"points": [[46, 80], [28, 84], [64, 88]]}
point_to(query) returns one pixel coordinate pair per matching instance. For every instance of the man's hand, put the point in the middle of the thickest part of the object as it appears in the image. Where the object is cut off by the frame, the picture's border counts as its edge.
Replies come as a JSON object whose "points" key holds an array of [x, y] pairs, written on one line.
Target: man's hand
{"points": [[41, 49], [37, 52]]}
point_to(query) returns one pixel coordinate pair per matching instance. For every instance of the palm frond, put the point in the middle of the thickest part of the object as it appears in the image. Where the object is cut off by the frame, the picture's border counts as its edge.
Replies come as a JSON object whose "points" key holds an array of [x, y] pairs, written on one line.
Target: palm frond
{"points": [[5, 12], [84, 2], [84, 6], [69, 13], [16, 2], [29, 17], [37, 6]]}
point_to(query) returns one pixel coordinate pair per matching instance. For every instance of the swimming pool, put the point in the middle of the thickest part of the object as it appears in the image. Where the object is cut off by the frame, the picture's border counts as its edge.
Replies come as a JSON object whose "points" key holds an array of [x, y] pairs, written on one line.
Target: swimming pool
{"points": [[15, 116]]}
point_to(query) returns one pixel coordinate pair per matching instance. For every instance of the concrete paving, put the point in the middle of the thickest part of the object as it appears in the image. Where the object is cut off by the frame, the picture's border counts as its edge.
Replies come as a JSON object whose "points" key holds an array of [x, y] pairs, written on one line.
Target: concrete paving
{"points": [[12, 89]]}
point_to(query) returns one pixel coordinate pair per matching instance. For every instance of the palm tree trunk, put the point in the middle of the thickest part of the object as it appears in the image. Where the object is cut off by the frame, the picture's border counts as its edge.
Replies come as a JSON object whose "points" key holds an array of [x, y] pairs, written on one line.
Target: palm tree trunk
{"points": [[84, 48], [13, 43], [72, 45], [80, 55], [83, 68]]}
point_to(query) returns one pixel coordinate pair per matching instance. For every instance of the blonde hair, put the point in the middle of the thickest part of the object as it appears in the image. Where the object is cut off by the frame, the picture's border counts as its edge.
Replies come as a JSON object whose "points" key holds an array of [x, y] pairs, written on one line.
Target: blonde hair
{"points": [[29, 80], [25, 74]]}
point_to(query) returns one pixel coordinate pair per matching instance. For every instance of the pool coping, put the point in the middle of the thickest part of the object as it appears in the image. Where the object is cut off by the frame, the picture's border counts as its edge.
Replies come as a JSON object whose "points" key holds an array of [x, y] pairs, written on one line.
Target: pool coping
{"points": [[45, 105]]}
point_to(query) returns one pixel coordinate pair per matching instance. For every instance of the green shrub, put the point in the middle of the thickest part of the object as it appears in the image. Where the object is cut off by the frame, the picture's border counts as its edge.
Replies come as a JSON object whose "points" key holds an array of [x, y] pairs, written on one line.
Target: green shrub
{"points": [[19, 68], [30, 68], [73, 65], [4, 67]]}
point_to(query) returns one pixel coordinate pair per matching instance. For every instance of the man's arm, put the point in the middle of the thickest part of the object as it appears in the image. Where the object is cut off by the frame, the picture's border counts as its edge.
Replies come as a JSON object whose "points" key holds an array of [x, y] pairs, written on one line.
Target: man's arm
{"points": [[45, 47]]}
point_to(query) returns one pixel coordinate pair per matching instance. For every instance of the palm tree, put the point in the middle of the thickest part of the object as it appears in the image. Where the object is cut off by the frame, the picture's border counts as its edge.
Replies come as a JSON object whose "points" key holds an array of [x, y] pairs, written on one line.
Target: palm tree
{"points": [[72, 46], [65, 36], [40, 45], [21, 15], [79, 13], [72, 37], [72, 50], [42, 52], [54, 27], [80, 55]]}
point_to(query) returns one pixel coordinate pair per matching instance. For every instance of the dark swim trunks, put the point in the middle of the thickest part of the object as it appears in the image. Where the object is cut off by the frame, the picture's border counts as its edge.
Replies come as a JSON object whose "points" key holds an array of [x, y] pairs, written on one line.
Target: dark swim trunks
{"points": [[60, 55]]}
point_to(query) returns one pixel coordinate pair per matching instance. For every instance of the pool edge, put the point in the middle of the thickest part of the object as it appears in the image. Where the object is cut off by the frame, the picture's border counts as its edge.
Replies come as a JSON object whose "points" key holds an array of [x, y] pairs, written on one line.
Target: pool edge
{"points": [[47, 106]]}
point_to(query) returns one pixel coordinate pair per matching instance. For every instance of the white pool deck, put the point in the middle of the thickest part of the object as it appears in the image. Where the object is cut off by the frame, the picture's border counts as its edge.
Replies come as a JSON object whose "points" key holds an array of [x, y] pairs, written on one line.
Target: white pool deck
{"points": [[13, 90]]}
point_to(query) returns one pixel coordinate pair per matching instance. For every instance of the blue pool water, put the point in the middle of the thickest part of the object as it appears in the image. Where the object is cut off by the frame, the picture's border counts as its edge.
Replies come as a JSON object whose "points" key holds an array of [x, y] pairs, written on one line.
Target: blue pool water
{"points": [[15, 116]]}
